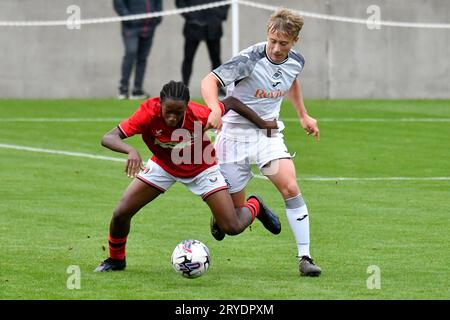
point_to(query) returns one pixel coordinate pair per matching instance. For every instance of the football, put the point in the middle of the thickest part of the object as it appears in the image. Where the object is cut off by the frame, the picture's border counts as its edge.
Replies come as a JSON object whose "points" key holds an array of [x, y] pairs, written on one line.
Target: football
{"points": [[191, 258]]}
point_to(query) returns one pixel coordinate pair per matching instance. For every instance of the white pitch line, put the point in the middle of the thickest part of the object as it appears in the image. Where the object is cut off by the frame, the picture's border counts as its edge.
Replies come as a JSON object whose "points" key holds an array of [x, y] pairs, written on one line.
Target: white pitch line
{"points": [[60, 152], [374, 120], [367, 178], [97, 157], [285, 120]]}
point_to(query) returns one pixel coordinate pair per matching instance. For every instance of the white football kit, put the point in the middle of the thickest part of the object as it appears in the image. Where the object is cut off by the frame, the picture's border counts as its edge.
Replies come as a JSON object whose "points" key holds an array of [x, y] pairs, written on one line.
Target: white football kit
{"points": [[261, 84], [204, 184]]}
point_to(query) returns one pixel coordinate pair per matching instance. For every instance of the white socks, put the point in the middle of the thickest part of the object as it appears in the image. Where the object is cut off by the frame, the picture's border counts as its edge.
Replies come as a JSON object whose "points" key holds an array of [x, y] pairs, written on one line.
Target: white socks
{"points": [[297, 214]]}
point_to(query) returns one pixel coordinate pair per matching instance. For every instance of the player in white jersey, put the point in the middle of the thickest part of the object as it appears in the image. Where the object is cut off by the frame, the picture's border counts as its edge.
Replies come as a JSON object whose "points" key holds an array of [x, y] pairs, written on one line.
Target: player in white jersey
{"points": [[260, 76]]}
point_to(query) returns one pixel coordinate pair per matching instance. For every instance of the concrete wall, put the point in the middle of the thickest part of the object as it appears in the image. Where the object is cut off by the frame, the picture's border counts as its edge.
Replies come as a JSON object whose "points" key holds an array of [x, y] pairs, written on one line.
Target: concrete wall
{"points": [[343, 60]]}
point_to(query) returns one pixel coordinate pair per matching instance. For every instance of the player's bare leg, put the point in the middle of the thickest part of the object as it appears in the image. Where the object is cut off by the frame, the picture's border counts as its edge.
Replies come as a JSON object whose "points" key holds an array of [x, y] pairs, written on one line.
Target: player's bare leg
{"points": [[238, 198], [238, 201], [230, 220], [253, 208], [285, 180], [136, 196], [268, 218]]}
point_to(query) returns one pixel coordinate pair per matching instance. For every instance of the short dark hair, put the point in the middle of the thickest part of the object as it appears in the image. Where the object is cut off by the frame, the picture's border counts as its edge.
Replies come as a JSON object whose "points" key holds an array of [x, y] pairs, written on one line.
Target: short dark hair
{"points": [[176, 91]]}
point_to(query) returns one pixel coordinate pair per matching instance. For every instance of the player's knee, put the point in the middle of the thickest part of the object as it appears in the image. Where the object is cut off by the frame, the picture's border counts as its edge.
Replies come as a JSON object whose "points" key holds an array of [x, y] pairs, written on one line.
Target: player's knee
{"points": [[233, 231], [121, 215], [290, 189], [230, 229]]}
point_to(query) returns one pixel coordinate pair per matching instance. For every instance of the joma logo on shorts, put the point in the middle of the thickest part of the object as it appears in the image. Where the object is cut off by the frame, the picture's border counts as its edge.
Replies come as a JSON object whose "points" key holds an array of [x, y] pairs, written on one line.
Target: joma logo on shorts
{"points": [[262, 93]]}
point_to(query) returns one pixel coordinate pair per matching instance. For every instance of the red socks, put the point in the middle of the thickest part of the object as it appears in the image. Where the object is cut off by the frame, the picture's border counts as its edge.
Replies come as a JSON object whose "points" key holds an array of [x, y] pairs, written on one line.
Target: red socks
{"points": [[117, 247], [253, 205]]}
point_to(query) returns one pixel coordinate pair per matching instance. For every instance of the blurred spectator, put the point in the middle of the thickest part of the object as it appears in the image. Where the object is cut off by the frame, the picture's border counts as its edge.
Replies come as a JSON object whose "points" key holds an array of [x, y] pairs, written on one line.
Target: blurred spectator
{"points": [[201, 25], [137, 37]]}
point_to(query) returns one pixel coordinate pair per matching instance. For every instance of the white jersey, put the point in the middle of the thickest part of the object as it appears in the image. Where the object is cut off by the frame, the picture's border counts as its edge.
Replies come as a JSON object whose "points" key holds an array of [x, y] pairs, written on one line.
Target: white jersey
{"points": [[258, 82]]}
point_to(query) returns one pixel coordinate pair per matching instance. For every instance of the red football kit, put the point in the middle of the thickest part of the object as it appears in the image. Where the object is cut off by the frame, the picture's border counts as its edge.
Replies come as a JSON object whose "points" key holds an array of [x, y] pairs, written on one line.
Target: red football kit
{"points": [[166, 145]]}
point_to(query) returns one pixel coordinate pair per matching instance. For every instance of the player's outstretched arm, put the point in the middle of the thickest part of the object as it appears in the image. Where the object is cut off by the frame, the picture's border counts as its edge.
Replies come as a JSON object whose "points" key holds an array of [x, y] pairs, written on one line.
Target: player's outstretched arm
{"points": [[231, 103], [113, 141], [210, 92], [308, 123]]}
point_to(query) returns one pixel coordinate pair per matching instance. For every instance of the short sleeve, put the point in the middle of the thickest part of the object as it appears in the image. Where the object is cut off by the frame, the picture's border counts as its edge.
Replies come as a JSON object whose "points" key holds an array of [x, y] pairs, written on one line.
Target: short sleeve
{"points": [[299, 59], [240, 66], [136, 123]]}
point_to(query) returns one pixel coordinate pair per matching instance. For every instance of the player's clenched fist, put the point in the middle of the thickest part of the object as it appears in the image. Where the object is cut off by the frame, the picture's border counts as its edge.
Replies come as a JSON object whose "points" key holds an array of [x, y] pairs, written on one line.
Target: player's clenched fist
{"points": [[214, 121], [310, 125]]}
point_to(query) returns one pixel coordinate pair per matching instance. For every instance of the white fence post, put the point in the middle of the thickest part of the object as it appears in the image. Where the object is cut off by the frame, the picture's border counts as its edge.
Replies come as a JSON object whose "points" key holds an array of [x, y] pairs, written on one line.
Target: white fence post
{"points": [[235, 27]]}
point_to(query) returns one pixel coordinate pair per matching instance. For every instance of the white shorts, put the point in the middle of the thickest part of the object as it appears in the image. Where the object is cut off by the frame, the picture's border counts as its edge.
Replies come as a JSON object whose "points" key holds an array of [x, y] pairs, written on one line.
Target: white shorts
{"points": [[204, 184], [240, 147]]}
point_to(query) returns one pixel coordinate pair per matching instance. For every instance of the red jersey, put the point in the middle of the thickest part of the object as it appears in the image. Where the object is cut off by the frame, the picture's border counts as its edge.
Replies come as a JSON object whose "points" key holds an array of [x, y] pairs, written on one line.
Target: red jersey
{"points": [[170, 144]]}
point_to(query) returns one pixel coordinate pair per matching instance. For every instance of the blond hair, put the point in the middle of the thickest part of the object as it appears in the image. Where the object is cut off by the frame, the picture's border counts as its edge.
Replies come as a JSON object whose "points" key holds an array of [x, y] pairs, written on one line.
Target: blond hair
{"points": [[285, 22]]}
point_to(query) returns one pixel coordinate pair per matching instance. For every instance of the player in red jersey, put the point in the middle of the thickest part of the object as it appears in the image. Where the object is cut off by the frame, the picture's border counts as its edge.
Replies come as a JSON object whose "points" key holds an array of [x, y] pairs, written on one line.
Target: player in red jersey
{"points": [[172, 127]]}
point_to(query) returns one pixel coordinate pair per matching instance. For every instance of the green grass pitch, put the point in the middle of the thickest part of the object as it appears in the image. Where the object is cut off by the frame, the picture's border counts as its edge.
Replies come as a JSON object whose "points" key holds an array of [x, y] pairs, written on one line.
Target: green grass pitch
{"points": [[55, 209]]}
